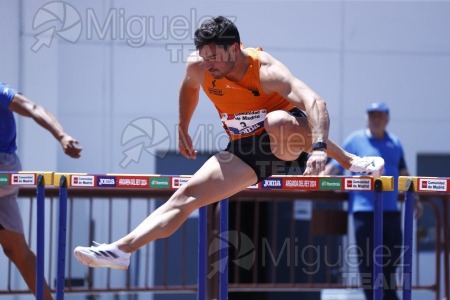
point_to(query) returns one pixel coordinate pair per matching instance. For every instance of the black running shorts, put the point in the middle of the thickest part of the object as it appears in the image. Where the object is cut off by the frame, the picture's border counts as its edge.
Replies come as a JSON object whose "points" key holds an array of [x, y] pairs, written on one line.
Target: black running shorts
{"points": [[255, 151]]}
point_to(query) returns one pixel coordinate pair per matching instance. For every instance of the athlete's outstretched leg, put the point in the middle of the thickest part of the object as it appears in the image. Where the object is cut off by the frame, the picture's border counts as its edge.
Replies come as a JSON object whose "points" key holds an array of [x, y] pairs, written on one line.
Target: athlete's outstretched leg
{"points": [[222, 176]]}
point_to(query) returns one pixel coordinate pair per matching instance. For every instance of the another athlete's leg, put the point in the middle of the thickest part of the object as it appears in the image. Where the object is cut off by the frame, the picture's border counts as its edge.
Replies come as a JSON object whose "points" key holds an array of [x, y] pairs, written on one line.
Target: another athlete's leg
{"points": [[17, 250]]}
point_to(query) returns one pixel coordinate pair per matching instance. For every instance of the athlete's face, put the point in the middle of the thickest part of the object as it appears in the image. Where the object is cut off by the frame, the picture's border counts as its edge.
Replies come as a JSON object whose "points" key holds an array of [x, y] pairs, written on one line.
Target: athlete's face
{"points": [[217, 60]]}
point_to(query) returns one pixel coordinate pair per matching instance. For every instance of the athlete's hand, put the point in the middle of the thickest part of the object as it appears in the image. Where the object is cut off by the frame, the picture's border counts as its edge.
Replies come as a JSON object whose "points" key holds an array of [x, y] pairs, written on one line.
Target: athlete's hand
{"points": [[70, 146], [185, 145], [316, 163]]}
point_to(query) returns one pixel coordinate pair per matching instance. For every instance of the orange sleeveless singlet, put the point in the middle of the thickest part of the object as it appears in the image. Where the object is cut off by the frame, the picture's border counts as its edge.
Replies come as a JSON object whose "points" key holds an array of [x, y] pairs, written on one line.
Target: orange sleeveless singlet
{"points": [[243, 105]]}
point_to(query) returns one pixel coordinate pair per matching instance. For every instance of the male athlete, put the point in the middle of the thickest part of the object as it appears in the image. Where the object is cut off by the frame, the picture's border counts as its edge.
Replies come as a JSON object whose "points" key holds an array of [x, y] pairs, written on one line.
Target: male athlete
{"points": [[271, 117]]}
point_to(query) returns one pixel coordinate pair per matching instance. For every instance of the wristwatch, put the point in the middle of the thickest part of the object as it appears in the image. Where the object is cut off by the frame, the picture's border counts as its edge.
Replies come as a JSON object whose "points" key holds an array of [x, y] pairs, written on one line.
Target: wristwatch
{"points": [[319, 146]]}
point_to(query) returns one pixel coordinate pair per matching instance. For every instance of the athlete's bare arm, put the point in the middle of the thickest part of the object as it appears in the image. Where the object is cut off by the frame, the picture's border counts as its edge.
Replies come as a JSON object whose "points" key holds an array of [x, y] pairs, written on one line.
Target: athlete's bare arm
{"points": [[275, 77], [188, 100], [25, 107]]}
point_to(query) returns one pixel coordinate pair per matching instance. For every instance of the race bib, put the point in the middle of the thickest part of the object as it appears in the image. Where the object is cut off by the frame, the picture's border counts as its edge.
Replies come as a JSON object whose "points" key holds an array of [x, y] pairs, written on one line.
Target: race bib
{"points": [[244, 123]]}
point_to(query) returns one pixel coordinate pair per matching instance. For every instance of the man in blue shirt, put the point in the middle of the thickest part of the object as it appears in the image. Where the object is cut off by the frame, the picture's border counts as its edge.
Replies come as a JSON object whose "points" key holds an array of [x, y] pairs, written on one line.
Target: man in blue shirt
{"points": [[12, 237], [374, 140]]}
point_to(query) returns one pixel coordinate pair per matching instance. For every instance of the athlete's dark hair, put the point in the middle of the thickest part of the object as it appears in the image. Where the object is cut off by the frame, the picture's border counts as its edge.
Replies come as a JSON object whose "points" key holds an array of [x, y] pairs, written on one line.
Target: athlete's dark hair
{"points": [[218, 30]]}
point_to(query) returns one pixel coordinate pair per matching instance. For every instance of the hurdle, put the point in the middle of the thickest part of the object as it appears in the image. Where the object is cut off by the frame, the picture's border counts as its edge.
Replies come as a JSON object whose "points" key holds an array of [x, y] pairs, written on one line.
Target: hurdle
{"points": [[291, 183], [411, 185], [296, 183]]}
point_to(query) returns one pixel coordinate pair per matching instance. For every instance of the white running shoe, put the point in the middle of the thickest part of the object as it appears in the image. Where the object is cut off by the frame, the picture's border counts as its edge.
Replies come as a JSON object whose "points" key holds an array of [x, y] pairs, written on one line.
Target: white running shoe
{"points": [[368, 165], [102, 255]]}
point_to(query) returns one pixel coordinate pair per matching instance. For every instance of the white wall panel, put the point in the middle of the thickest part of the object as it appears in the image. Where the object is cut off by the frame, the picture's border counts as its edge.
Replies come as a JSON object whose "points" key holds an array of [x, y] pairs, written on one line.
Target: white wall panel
{"points": [[94, 137], [291, 24], [10, 42], [83, 72], [406, 26], [145, 80], [37, 147], [406, 82]]}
